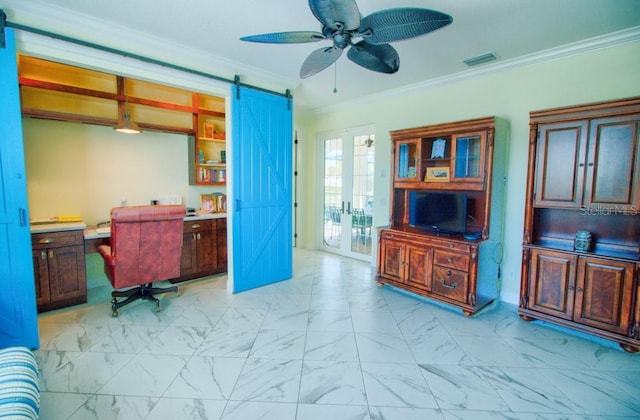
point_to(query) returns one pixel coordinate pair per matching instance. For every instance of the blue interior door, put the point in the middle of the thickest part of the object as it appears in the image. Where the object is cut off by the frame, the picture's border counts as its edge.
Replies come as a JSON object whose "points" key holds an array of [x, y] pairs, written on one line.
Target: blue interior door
{"points": [[18, 316], [261, 187]]}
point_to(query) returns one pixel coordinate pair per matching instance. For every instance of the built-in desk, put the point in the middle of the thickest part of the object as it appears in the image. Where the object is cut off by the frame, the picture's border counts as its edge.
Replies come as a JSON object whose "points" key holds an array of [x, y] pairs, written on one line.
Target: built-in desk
{"points": [[204, 245], [59, 256]]}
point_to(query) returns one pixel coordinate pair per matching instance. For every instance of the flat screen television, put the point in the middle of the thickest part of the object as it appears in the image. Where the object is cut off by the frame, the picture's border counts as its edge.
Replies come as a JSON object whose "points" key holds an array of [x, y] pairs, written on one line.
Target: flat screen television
{"points": [[442, 212]]}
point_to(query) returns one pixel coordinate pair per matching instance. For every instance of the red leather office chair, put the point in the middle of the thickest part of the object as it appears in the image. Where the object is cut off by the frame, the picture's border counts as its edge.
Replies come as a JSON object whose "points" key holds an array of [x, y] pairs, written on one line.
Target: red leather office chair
{"points": [[146, 244]]}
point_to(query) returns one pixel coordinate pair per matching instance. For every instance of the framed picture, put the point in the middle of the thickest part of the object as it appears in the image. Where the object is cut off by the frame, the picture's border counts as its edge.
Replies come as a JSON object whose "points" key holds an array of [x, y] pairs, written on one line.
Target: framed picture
{"points": [[207, 203], [207, 131], [437, 149], [437, 174]]}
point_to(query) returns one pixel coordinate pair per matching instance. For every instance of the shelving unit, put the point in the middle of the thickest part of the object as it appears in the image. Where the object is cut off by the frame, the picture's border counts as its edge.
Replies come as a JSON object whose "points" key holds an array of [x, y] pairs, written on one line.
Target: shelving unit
{"points": [[61, 92]]}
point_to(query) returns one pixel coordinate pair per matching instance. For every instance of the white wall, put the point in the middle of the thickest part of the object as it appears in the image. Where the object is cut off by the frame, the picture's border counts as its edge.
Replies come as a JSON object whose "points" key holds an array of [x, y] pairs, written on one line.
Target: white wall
{"points": [[511, 94], [82, 169]]}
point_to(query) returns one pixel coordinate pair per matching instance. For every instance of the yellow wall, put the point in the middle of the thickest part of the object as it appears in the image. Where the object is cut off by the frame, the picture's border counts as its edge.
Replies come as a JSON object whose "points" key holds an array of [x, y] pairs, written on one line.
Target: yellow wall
{"points": [[511, 94], [84, 169]]}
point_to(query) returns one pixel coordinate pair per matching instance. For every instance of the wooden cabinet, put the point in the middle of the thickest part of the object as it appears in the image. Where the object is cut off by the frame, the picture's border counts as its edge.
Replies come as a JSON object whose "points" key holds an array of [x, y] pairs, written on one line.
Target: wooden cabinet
{"points": [[603, 151], [583, 174], [405, 261], [436, 268], [204, 248], [59, 269], [461, 159]]}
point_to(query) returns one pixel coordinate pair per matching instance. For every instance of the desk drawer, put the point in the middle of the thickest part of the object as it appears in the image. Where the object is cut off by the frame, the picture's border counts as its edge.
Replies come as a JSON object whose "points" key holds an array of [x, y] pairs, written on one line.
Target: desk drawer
{"points": [[56, 239], [193, 226]]}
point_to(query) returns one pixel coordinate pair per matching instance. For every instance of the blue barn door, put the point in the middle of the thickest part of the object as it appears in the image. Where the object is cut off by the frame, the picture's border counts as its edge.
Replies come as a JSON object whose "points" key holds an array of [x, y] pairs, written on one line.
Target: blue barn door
{"points": [[261, 187], [18, 316]]}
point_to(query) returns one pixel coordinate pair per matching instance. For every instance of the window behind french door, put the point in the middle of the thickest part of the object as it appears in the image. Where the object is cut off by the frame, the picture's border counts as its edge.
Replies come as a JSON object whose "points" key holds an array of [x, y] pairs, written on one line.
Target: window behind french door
{"points": [[346, 183]]}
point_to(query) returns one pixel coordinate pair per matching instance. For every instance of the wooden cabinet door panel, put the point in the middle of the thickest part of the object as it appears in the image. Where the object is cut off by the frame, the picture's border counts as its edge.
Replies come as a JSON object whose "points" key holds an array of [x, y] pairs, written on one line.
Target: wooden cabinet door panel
{"points": [[221, 237], [604, 294], [552, 283], [418, 263], [468, 157], [66, 272], [392, 257], [612, 163], [41, 276], [560, 164], [188, 257], [407, 161], [207, 250]]}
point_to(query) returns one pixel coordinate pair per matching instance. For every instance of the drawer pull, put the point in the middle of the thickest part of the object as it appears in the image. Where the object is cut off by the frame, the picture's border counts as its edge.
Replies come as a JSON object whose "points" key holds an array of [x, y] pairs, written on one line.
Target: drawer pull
{"points": [[46, 241], [448, 286], [43, 255], [195, 226], [449, 260]]}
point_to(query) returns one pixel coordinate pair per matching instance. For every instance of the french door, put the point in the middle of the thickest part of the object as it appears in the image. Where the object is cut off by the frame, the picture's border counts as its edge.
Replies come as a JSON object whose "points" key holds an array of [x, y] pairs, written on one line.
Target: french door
{"points": [[346, 185]]}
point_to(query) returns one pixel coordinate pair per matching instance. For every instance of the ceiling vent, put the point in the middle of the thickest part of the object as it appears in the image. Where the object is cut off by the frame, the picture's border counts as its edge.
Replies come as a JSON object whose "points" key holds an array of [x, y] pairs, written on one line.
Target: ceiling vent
{"points": [[481, 59]]}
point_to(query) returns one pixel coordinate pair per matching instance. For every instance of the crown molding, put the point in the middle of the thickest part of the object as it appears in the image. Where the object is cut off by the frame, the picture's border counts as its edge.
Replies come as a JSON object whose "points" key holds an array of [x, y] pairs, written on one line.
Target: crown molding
{"points": [[57, 20], [613, 39]]}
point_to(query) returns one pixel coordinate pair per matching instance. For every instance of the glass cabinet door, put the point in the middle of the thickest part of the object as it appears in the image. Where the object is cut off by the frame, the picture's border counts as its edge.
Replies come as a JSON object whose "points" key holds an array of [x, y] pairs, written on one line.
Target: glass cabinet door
{"points": [[468, 161], [407, 159]]}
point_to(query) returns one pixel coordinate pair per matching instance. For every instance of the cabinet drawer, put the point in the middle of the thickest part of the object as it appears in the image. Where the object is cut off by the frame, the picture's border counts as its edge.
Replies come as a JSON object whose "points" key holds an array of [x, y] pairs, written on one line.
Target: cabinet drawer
{"points": [[56, 239], [401, 236], [386, 234], [451, 259], [452, 246], [198, 225], [450, 283]]}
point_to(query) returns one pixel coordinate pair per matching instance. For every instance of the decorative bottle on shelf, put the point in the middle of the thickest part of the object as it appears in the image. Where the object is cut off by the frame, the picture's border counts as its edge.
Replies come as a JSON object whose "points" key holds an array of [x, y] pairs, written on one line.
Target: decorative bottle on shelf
{"points": [[201, 156]]}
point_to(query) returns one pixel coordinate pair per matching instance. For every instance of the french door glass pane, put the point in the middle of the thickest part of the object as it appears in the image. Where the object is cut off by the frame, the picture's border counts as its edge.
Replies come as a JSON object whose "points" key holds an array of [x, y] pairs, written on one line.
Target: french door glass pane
{"points": [[333, 193], [362, 194]]}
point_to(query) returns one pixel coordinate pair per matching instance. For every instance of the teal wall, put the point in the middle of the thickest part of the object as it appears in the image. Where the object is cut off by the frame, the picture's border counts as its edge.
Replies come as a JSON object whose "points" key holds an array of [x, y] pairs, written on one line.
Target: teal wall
{"points": [[600, 75]]}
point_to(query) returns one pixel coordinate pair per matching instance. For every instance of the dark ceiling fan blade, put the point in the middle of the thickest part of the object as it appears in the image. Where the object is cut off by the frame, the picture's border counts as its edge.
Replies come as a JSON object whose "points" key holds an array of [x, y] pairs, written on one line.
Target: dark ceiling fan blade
{"points": [[335, 14], [319, 60], [295, 37], [401, 23], [382, 58]]}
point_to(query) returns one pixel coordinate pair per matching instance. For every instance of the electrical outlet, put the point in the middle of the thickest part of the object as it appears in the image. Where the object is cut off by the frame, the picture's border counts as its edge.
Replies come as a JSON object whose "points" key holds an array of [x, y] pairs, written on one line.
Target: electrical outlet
{"points": [[123, 201]]}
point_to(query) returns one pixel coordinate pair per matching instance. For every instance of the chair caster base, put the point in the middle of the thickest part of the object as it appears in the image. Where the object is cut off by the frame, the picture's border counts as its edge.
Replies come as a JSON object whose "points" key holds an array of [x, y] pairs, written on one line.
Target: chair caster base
{"points": [[146, 292]]}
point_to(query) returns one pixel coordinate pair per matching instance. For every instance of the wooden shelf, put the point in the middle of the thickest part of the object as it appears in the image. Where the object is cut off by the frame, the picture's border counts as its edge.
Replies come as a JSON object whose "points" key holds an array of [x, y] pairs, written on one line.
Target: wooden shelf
{"points": [[221, 139]]}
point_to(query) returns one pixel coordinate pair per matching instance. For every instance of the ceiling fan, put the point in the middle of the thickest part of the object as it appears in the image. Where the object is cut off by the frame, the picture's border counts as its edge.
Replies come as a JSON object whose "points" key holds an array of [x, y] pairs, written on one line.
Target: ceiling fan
{"points": [[342, 23]]}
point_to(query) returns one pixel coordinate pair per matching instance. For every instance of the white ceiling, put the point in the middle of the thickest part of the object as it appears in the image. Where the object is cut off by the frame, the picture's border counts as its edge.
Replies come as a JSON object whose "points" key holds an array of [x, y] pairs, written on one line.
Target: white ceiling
{"points": [[516, 31]]}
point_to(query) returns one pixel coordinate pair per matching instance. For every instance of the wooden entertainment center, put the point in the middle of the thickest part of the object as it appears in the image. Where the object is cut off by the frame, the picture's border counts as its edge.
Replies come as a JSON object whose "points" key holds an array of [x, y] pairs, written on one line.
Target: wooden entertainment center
{"points": [[583, 181], [461, 163]]}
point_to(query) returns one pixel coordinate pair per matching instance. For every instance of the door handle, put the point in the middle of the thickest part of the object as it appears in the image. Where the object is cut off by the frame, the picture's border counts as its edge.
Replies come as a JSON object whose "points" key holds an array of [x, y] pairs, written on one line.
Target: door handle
{"points": [[448, 286], [348, 207], [342, 208]]}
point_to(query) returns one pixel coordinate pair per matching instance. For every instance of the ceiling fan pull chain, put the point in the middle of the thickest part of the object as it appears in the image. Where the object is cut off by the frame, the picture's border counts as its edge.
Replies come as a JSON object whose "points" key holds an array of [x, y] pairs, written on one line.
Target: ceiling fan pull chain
{"points": [[335, 77]]}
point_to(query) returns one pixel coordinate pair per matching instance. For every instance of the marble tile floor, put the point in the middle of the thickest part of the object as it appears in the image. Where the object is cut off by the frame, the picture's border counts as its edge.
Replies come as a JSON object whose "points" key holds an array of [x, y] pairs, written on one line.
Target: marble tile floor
{"points": [[327, 344]]}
